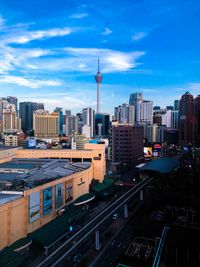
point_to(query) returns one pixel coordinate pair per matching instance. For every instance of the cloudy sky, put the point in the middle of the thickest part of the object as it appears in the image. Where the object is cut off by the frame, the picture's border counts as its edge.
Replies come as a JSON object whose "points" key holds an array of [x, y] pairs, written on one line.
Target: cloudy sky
{"points": [[49, 51]]}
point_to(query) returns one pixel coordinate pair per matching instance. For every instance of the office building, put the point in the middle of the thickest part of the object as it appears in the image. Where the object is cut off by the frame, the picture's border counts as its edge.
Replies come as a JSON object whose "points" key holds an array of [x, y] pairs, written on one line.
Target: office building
{"points": [[60, 113], [170, 118], [45, 125], [102, 124], [9, 118], [176, 104], [136, 100], [126, 143], [79, 122], [186, 119], [13, 100], [86, 131], [71, 124], [146, 112], [89, 119], [155, 133], [26, 110], [143, 109], [125, 113]]}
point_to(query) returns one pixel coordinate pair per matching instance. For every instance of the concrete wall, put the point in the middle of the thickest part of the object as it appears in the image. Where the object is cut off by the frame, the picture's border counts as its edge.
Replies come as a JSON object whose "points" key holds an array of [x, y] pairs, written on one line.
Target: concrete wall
{"points": [[95, 152]]}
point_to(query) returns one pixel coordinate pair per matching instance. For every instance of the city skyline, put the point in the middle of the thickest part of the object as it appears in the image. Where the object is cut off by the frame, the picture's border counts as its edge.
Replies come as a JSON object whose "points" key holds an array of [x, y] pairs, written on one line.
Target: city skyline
{"points": [[50, 54]]}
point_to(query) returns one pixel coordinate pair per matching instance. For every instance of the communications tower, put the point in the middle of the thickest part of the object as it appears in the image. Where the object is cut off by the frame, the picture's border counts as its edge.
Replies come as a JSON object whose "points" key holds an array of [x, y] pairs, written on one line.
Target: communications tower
{"points": [[98, 79]]}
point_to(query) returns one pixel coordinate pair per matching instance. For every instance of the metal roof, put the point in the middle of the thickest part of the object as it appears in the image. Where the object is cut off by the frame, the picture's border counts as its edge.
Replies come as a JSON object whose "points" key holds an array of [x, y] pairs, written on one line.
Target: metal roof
{"points": [[162, 165]]}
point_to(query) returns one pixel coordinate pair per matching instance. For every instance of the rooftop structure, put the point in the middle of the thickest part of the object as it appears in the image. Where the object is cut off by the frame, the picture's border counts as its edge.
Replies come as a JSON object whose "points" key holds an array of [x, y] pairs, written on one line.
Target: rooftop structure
{"points": [[24, 174]]}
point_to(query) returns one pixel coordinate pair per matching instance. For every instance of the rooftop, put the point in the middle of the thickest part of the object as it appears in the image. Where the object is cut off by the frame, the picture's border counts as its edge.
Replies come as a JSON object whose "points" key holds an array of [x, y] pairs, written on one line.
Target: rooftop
{"points": [[162, 165], [22, 174]]}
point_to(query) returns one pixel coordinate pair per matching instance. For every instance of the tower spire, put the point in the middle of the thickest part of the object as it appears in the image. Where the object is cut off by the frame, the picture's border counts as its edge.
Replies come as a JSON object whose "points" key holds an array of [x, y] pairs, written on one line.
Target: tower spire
{"points": [[98, 65], [98, 79]]}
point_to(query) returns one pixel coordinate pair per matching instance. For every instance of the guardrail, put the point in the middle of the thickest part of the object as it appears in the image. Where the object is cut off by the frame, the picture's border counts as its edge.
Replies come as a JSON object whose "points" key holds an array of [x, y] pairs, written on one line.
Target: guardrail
{"points": [[160, 247]]}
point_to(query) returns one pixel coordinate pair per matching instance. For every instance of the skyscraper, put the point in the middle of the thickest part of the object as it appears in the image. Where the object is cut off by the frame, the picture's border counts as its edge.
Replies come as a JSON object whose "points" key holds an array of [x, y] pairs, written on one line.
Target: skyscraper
{"points": [[46, 124], [89, 119], [143, 108], [60, 113], [98, 79], [26, 110], [136, 100], [146, 112], [197, 118], [102, 124], [186, 119], [176, 104], [13, 100], [71, 124], [125, 113]]}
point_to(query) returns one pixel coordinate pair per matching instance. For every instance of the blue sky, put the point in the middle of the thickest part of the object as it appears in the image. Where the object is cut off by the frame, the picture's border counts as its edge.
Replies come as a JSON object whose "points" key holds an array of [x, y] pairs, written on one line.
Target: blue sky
{"points": [[49, 51]]}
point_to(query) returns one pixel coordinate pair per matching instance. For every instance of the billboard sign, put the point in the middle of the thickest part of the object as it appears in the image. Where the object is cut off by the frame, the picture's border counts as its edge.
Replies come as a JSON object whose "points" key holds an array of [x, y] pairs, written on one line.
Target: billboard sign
{"points": [[34, 206], [147, 152], [59, 195], [47, 200]]}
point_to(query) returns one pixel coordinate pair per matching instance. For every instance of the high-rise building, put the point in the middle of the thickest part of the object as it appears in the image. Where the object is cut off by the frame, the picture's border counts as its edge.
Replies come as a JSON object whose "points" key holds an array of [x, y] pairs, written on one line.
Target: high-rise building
{"points": [[170, 118], [186, 119], [45, 124], [89, 119], [126, 143], [13, 100], [98, 78], [102, 124], [60, 113], [176, 104], [143, 109], [155, 133], [71, 124], [125, 113], [3, 104], [136, 100], [146, 112], [9, 118], [197, 120], [80, 122], [26, 110]]}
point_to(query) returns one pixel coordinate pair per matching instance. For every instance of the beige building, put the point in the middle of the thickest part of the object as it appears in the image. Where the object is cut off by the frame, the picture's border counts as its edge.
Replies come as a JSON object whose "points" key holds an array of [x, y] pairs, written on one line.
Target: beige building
{"points": [[24, 210], [9, 118], [45, 124]]}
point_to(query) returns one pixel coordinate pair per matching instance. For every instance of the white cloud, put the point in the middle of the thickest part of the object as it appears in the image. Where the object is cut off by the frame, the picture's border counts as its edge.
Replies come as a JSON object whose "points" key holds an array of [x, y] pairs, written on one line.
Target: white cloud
{"points": [[17, 58], [106, 31], [111, 60], [31, 83], [138, 36], [84, 60], [36, 35], [78, 16]]}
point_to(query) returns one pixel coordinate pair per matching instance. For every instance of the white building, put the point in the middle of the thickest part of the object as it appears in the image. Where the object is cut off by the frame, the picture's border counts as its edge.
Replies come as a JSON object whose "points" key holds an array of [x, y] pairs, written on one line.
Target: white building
{"points": [[125, 113], [86, 131], [89, 119]]}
